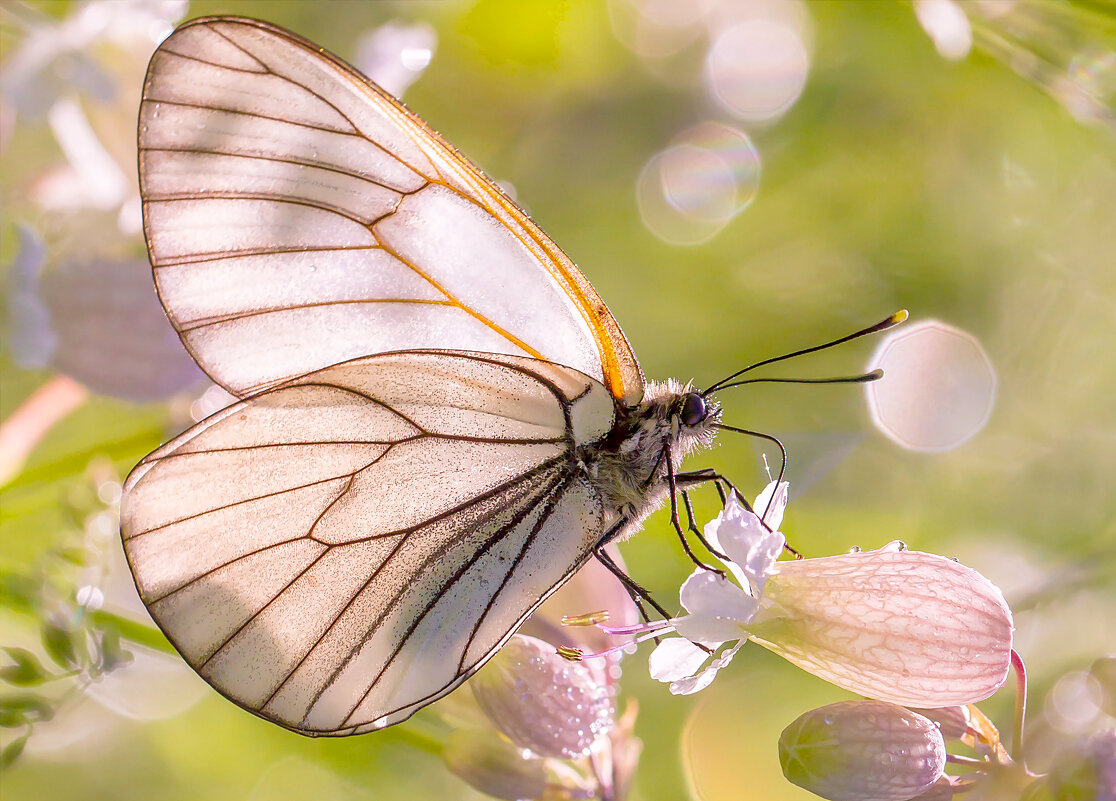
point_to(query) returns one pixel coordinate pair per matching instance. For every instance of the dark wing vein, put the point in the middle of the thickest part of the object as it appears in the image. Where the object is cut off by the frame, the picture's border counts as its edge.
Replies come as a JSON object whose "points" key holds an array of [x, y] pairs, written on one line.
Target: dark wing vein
{"points": [[254, 498], [196, 325], [551, 501], [329, 103], [431, 558], [316, 165], [224, 110], [269, 198], [157, 598], [236, 632], [228, 255], [352, 600]]}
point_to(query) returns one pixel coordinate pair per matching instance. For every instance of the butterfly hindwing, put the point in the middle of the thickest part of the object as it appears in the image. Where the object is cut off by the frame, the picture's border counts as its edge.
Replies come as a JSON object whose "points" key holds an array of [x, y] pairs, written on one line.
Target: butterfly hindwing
{"points": [[340, 550]]}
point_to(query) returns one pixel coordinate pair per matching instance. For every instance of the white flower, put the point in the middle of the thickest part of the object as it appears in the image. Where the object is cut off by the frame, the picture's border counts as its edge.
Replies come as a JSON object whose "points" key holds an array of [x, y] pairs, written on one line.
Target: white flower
{"points": [[915, 629], [720, 609]]}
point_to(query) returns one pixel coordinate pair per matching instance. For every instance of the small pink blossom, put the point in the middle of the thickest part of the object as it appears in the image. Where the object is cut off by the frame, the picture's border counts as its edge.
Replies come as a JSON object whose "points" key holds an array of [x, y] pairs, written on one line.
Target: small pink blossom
{"points": [[543, 702]]}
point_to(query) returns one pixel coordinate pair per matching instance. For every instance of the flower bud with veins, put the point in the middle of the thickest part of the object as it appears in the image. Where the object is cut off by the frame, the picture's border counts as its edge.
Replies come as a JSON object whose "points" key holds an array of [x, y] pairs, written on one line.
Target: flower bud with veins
{"points": [[543, 702], [863, 751], [902, 626]]}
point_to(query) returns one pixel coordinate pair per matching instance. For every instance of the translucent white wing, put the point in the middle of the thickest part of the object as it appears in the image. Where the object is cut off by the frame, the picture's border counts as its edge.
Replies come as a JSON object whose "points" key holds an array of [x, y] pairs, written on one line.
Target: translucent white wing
{"points": [[298, 216], [339, 551]]}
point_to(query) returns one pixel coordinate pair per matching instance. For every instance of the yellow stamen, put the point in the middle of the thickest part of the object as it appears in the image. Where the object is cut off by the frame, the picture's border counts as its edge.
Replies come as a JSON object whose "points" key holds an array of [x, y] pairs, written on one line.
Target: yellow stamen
{"points": [[587, 619], [570, 654]]}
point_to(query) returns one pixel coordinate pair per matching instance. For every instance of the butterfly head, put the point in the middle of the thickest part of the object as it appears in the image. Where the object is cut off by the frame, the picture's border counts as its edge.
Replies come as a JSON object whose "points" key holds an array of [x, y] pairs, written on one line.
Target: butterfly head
{"points": [[693, 417], [694, 409]]}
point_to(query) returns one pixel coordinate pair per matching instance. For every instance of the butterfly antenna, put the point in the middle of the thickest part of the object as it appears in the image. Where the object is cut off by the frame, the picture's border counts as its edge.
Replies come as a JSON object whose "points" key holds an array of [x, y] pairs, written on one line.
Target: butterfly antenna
{"points": [[882, 325]]}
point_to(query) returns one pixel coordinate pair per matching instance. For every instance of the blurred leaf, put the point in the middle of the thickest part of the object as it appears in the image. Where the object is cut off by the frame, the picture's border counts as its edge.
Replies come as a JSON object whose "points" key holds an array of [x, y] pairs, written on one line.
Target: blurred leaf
{"points": [[20, 708], [27, 670], [75, 556], [12, 751], [113, 655], [18, 591], [59, 644], [11, 719]]}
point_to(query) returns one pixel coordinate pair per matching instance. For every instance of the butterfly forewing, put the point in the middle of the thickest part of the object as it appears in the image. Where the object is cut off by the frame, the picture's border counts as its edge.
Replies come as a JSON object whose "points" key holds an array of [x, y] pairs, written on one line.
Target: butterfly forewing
{"points": [[297, 216], [342, 549]]}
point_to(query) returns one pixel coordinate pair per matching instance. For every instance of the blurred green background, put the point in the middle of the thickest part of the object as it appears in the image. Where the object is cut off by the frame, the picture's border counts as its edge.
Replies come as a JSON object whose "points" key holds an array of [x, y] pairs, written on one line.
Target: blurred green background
{"points": [[979, 191]]}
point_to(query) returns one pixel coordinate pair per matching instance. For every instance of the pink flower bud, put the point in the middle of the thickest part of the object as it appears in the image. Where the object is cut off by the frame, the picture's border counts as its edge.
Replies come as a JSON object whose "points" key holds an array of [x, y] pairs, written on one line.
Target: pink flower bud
{"points": [[541, 701], [493, 765], [862, 751], [903, 626]]}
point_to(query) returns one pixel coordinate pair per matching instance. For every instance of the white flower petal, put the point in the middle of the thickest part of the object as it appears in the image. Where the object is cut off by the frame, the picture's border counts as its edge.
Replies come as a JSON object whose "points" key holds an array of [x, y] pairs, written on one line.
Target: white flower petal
{"points": [[676, 658], [693, 684], [771, 503], [718, 609], [752, 548]]}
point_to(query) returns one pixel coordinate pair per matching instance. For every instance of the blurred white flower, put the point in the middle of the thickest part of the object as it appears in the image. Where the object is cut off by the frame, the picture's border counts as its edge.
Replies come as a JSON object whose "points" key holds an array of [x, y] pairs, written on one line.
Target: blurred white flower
{"points": [[395, 54], [946, 24], [72, 73]]}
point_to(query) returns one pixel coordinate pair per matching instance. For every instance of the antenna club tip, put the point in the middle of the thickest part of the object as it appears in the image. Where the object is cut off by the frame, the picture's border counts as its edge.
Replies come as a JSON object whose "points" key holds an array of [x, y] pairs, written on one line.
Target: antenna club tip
{"points": [[899, 316]]}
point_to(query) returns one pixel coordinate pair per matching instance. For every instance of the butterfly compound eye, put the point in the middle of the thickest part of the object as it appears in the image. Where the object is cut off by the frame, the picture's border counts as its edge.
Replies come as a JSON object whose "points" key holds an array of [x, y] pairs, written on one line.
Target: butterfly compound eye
{"points": [[693, 409]]}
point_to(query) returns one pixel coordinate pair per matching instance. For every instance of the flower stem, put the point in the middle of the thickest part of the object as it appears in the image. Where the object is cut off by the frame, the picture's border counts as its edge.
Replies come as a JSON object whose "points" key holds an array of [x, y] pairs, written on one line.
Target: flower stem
{"points": [[959, 759], [1020, 708]]}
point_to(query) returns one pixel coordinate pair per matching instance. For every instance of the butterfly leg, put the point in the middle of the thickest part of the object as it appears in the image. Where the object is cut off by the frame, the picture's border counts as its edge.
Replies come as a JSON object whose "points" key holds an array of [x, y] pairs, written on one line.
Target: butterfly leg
{"points": [[697, 478], [634, 588], [675, 521], [692, 526], [637, 592]]}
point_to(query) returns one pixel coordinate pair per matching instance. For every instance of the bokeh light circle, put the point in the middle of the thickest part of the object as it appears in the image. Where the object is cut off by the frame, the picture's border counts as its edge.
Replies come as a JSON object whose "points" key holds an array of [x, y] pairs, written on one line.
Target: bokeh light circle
{"points": [[938, 389], [757, 69], [688, 192], [1074, 702], [655, 29]]}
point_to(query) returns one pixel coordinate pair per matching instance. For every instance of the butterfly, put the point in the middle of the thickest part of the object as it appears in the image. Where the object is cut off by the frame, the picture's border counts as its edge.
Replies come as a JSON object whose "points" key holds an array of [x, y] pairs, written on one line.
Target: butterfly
{"points": [[440, 420]]}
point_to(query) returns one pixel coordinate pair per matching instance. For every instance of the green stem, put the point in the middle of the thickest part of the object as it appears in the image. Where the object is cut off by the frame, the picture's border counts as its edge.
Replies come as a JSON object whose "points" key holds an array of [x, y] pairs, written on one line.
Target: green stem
{"points": [[134, 631], [17, 600], [424, 741]]}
